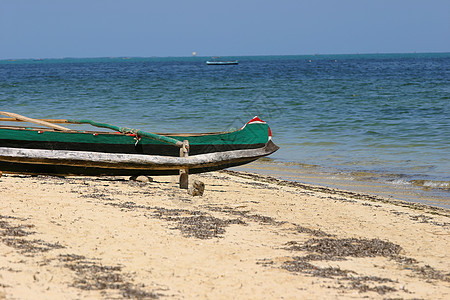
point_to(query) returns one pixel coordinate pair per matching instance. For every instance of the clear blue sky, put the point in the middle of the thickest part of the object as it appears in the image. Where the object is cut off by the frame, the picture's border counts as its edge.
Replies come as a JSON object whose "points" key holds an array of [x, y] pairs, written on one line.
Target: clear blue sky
{"points": [[102, 28]]}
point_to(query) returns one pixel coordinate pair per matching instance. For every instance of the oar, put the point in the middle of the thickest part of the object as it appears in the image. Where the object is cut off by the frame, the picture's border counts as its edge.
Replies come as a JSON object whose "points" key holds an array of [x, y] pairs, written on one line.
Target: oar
{"points": [[35, 121]]}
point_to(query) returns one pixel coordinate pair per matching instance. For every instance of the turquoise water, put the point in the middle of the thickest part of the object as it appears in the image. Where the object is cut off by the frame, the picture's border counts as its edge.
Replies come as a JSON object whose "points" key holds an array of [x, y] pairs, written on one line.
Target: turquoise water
{"points": [[383, 116]]}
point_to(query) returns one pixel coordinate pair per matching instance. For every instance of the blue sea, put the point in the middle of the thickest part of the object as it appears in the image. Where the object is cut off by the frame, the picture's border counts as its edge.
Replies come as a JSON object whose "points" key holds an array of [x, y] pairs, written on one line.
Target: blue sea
{"points": [[378, 123]]}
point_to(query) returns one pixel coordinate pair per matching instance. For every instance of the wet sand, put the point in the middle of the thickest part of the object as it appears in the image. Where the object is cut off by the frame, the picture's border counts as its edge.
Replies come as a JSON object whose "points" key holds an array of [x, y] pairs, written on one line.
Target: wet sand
{"points": [[397, 186], [248, 237]]}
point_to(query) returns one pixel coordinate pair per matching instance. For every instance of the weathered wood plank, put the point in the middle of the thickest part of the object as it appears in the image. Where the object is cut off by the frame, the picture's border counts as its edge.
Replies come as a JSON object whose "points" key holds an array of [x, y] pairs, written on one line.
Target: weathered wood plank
{"points": [[130, 161]]}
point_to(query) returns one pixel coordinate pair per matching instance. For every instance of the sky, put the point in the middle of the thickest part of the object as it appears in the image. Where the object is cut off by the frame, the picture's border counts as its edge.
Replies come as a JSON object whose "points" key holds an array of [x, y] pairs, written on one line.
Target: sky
{"points": [[145, 28]]}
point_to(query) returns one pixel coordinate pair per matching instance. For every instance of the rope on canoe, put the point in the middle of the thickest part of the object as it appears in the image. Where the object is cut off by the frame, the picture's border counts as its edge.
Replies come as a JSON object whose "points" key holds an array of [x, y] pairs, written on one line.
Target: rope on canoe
{"points": [[137, 132]]}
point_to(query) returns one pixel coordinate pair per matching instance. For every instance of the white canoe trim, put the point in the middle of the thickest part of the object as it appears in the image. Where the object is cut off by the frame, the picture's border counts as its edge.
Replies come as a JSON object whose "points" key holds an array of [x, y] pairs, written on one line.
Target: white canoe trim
{"points": [[128, 161]]}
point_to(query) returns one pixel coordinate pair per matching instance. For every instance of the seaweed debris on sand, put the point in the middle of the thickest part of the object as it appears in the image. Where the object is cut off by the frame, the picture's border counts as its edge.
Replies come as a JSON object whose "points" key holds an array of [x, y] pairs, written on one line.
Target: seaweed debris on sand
{"points": [[247, 236]]}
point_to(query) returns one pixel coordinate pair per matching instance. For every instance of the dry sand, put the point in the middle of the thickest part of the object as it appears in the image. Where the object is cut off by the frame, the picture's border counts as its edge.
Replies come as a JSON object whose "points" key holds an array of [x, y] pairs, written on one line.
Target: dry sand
{"points": [[247, 237]]}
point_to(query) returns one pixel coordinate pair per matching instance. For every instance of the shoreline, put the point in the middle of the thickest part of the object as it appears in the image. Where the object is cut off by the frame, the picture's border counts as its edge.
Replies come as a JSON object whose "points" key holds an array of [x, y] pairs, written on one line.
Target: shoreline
{"points": [[249, 236], [427, 192], [342, 192]]}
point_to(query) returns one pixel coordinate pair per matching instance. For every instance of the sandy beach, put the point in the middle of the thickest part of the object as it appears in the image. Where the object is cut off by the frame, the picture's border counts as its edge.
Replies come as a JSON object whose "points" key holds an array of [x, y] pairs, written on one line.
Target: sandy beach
{"points": [[248, 237]]}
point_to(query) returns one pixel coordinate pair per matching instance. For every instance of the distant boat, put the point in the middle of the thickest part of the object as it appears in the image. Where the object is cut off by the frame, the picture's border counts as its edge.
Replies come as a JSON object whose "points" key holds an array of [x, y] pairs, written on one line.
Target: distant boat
{"points": [[234, 62], [221, 62]]}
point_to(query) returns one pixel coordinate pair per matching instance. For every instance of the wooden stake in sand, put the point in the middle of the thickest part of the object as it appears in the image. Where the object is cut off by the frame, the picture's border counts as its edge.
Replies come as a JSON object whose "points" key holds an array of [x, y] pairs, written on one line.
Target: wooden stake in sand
{"points": [[184, 172]]}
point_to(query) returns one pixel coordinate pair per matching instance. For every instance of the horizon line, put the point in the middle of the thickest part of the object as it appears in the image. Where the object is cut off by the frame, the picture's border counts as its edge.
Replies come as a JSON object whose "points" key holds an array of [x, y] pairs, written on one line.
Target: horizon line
{"points": [[206, 56]]}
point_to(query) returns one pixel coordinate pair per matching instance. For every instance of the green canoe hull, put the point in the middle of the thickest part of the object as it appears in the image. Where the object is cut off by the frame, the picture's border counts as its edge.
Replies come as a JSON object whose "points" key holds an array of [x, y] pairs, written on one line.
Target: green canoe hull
{"points": [[96, 153]]}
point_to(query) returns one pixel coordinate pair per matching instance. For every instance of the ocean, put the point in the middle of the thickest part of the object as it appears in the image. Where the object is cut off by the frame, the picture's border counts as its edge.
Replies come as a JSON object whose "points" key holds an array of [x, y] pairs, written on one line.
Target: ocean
{"points": [[376, 123]]}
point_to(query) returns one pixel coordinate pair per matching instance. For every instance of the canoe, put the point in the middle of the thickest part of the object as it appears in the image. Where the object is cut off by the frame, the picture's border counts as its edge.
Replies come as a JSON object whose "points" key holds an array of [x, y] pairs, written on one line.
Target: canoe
{"points": [[57, 150]]}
